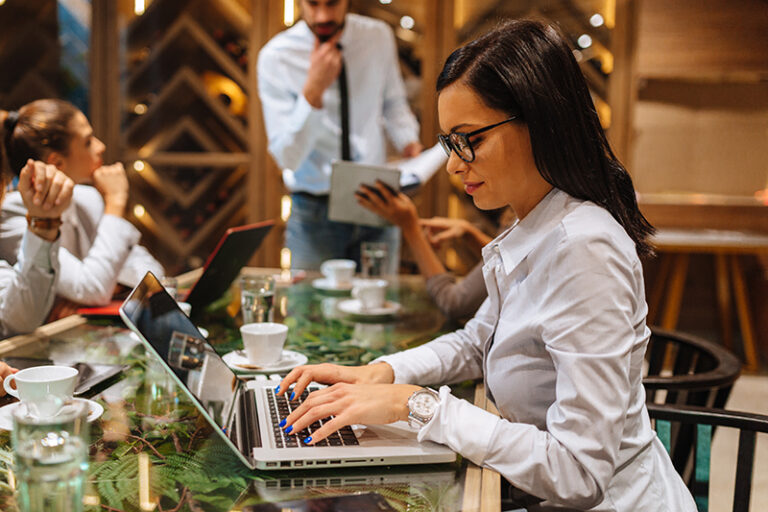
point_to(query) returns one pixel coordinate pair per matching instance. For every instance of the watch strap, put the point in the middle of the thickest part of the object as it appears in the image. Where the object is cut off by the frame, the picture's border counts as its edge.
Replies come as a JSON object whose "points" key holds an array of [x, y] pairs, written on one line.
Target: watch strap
{"points": [[44, 223]]}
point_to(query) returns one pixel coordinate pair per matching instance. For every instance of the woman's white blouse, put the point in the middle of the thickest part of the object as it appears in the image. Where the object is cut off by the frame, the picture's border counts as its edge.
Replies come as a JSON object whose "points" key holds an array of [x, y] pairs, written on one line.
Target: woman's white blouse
{"points": [[27, 289], [559, 343], [98, 251]]}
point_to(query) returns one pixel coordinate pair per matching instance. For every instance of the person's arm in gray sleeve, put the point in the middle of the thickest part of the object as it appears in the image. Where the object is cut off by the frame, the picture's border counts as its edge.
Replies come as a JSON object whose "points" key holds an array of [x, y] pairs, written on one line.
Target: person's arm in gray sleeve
{"points": [[458, 300]]}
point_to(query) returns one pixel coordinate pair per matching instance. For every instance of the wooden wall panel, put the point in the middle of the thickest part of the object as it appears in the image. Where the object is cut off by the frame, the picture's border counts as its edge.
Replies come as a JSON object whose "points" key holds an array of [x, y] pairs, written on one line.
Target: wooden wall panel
{"points": [[710, 37]]}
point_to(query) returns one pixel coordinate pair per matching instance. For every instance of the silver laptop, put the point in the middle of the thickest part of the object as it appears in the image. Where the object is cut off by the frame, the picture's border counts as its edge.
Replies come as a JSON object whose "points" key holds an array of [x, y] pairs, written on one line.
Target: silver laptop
{"points": [[246, 413]]}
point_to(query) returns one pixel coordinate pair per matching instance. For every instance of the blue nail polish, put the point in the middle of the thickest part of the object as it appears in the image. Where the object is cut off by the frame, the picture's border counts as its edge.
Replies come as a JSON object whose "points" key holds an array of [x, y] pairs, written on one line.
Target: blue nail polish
{"points": [[282, 423], [289, 429], [293, 395], [277, 389], [308, 440]]}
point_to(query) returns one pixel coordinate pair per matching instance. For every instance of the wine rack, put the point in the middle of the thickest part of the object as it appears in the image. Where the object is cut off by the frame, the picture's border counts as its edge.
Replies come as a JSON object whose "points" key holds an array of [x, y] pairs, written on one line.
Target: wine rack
{"points": [[29, 52], [184, 131]]}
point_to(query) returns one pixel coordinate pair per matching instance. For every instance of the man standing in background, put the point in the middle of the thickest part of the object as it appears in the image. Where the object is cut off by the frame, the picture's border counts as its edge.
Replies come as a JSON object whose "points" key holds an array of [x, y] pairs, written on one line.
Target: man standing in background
{"points": [[330, 86]]}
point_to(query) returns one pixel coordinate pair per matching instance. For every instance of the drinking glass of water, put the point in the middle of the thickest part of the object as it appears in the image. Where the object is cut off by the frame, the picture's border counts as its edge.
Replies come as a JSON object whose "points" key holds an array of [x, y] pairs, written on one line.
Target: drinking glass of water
{"points": [[257, 295], [373, 259], [171, 285], [51, 458]]}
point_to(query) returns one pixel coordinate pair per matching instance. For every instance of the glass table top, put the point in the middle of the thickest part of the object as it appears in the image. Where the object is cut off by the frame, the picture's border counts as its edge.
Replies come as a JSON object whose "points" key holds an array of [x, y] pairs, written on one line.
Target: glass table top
{"points": [[152, 451]]}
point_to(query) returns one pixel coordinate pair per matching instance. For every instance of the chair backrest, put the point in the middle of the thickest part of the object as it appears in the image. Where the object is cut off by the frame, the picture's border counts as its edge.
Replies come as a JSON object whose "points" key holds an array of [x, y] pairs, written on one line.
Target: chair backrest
{"points": [[687, 370], [704, 420]]}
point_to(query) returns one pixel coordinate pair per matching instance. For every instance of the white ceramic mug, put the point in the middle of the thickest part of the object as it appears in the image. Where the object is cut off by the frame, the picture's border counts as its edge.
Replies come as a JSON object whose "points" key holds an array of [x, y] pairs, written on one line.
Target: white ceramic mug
{"points": [[371, 293], [338, 272], [44, 388], [185, 307], [263, 342]]}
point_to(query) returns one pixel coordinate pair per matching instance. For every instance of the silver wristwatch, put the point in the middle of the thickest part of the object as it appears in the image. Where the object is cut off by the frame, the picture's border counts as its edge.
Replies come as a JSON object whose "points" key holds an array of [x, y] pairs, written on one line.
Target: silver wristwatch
{"points": [[422, 406]]}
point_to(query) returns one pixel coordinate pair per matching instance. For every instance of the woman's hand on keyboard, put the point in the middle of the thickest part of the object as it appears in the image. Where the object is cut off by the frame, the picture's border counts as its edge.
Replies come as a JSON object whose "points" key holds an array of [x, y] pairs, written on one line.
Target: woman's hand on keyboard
{"points": [[300, 377], [349, 404]]}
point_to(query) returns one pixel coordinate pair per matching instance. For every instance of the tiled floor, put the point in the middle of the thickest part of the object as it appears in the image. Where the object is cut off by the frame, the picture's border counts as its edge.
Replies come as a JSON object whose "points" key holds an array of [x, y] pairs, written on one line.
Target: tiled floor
{"points": [[750, 394]]}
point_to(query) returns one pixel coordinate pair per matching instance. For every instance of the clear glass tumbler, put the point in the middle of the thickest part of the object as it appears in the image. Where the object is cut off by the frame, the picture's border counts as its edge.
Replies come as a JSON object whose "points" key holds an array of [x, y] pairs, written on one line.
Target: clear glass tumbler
{"points": [[257, 297], [51, 458], [171, 285], [373, 259]]}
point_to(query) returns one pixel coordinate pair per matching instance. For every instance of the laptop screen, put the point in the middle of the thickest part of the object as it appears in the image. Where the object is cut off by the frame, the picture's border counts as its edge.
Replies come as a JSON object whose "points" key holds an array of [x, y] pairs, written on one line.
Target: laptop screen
{"points": [[151, 311], [233, 252]]}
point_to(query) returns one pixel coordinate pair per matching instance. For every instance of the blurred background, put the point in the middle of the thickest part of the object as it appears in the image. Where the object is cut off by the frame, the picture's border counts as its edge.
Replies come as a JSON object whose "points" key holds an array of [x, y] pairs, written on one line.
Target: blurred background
{"points": [[170, 87]]}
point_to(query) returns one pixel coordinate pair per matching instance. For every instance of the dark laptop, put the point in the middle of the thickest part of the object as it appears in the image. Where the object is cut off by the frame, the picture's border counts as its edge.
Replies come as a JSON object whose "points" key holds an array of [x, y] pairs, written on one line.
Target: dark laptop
{"points": [[232, 253]]}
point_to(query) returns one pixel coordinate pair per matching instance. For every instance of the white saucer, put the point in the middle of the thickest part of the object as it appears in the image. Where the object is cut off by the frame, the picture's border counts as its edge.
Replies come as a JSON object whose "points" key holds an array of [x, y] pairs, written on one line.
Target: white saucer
{"points": [[327, 285], [355, 307], [239, 362], [95, 410]]}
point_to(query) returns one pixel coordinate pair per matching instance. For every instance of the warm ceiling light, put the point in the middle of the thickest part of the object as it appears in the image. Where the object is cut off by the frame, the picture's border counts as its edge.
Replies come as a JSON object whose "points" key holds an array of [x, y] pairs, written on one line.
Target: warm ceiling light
{"points": [[407, 22], [289, 13], [596, 20], [138, 165], [139, 211], [139, 6], [385, 2], [140, 108], [584, 41]]}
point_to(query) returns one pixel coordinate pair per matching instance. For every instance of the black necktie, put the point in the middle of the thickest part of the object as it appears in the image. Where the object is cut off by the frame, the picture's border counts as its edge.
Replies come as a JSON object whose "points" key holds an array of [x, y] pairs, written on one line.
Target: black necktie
{"points": [[346, 153]]}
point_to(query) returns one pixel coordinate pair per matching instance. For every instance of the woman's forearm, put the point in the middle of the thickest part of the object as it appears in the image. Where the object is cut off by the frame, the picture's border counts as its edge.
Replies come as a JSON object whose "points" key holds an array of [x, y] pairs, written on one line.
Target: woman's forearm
{"points": [[426, 258]]}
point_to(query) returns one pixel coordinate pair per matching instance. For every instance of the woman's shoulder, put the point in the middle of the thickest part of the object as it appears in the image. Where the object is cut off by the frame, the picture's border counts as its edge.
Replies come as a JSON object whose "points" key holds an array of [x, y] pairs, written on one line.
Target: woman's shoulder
{"points": [[13, 205], [591, 230]]}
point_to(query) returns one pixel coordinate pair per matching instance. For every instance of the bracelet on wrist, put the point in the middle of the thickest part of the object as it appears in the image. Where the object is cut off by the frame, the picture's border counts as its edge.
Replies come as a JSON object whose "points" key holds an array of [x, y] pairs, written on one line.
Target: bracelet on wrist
{"points": [[44, 223]]}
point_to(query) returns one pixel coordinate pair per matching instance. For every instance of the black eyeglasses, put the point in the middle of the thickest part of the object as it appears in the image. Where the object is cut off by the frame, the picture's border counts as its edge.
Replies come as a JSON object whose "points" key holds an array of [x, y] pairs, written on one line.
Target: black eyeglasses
{"points": [[459, 142]]}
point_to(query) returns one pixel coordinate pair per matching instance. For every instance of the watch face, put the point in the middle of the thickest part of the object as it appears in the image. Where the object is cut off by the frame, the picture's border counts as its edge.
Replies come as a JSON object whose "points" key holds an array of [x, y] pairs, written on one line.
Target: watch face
{"points": [[424, 404]]}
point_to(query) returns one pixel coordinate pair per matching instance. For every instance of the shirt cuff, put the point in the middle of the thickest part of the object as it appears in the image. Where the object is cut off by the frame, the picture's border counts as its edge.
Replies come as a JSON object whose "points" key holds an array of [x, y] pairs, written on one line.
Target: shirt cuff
{"points": [[37, 252], [461, 426], [417, 365]]}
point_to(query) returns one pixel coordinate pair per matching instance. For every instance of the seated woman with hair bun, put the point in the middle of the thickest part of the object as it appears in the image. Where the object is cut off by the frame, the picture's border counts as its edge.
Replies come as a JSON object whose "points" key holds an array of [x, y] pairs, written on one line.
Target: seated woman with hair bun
{"points": [[99, 247]]}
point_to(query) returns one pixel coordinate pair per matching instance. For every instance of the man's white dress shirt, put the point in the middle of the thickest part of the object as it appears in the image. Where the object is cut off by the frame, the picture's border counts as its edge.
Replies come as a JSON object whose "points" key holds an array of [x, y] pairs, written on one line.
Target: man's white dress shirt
{"points": [[305, 140], [27, 289], [559, 343], [98, 251]]}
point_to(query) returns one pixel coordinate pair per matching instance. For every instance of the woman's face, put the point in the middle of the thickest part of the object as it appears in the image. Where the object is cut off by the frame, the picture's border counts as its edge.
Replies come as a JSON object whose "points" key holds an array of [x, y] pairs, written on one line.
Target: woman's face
{"points": [[503, 172], [85, 151]]}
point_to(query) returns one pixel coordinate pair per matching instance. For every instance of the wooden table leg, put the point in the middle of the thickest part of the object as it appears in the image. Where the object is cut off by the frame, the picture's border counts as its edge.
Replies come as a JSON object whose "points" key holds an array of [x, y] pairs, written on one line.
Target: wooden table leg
{"points": [[675, 291], [745, 317], [723, 285]]}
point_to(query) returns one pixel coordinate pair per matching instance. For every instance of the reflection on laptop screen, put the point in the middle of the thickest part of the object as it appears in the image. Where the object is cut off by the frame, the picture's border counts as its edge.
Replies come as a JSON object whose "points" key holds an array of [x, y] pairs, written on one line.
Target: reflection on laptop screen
{"points": [[182, 347]]}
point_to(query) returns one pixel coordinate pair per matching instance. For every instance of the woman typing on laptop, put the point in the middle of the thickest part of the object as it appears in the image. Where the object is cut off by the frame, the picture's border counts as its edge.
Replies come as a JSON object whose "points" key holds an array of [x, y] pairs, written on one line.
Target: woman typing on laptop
{"points": [[99, 247], [560, 341]]}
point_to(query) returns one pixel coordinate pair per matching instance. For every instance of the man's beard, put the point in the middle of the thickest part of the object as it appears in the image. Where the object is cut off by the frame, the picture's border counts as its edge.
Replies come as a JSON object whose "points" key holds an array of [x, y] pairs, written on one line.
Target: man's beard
{"points": [[331, 29]]}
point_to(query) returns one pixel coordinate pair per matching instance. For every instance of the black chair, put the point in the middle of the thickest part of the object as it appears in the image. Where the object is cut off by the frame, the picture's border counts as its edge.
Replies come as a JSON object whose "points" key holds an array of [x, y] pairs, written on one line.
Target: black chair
{"points": [[703, 420], [687, 370]]}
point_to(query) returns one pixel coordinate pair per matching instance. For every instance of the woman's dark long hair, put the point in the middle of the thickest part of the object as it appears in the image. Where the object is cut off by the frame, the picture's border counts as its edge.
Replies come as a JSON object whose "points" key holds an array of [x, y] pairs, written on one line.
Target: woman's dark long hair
{"points": [[524, 68], [37, 129]]}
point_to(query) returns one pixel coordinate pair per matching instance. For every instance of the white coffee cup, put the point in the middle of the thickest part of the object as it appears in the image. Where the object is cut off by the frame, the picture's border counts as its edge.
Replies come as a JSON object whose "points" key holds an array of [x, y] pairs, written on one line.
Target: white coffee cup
{"points": [[371, 293], [186, 307], [263, 341], [44, 388], [338, 272]]}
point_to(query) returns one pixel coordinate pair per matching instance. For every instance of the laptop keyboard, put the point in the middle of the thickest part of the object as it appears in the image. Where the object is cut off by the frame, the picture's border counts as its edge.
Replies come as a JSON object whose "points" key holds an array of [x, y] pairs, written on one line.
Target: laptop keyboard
{"points": [[280, 407]]}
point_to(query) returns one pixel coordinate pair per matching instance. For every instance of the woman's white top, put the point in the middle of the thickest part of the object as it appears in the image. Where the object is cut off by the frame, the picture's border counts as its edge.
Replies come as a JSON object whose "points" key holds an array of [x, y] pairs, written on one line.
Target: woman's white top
{"points": [[27, 289], [98, 251], [559, 343]]}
